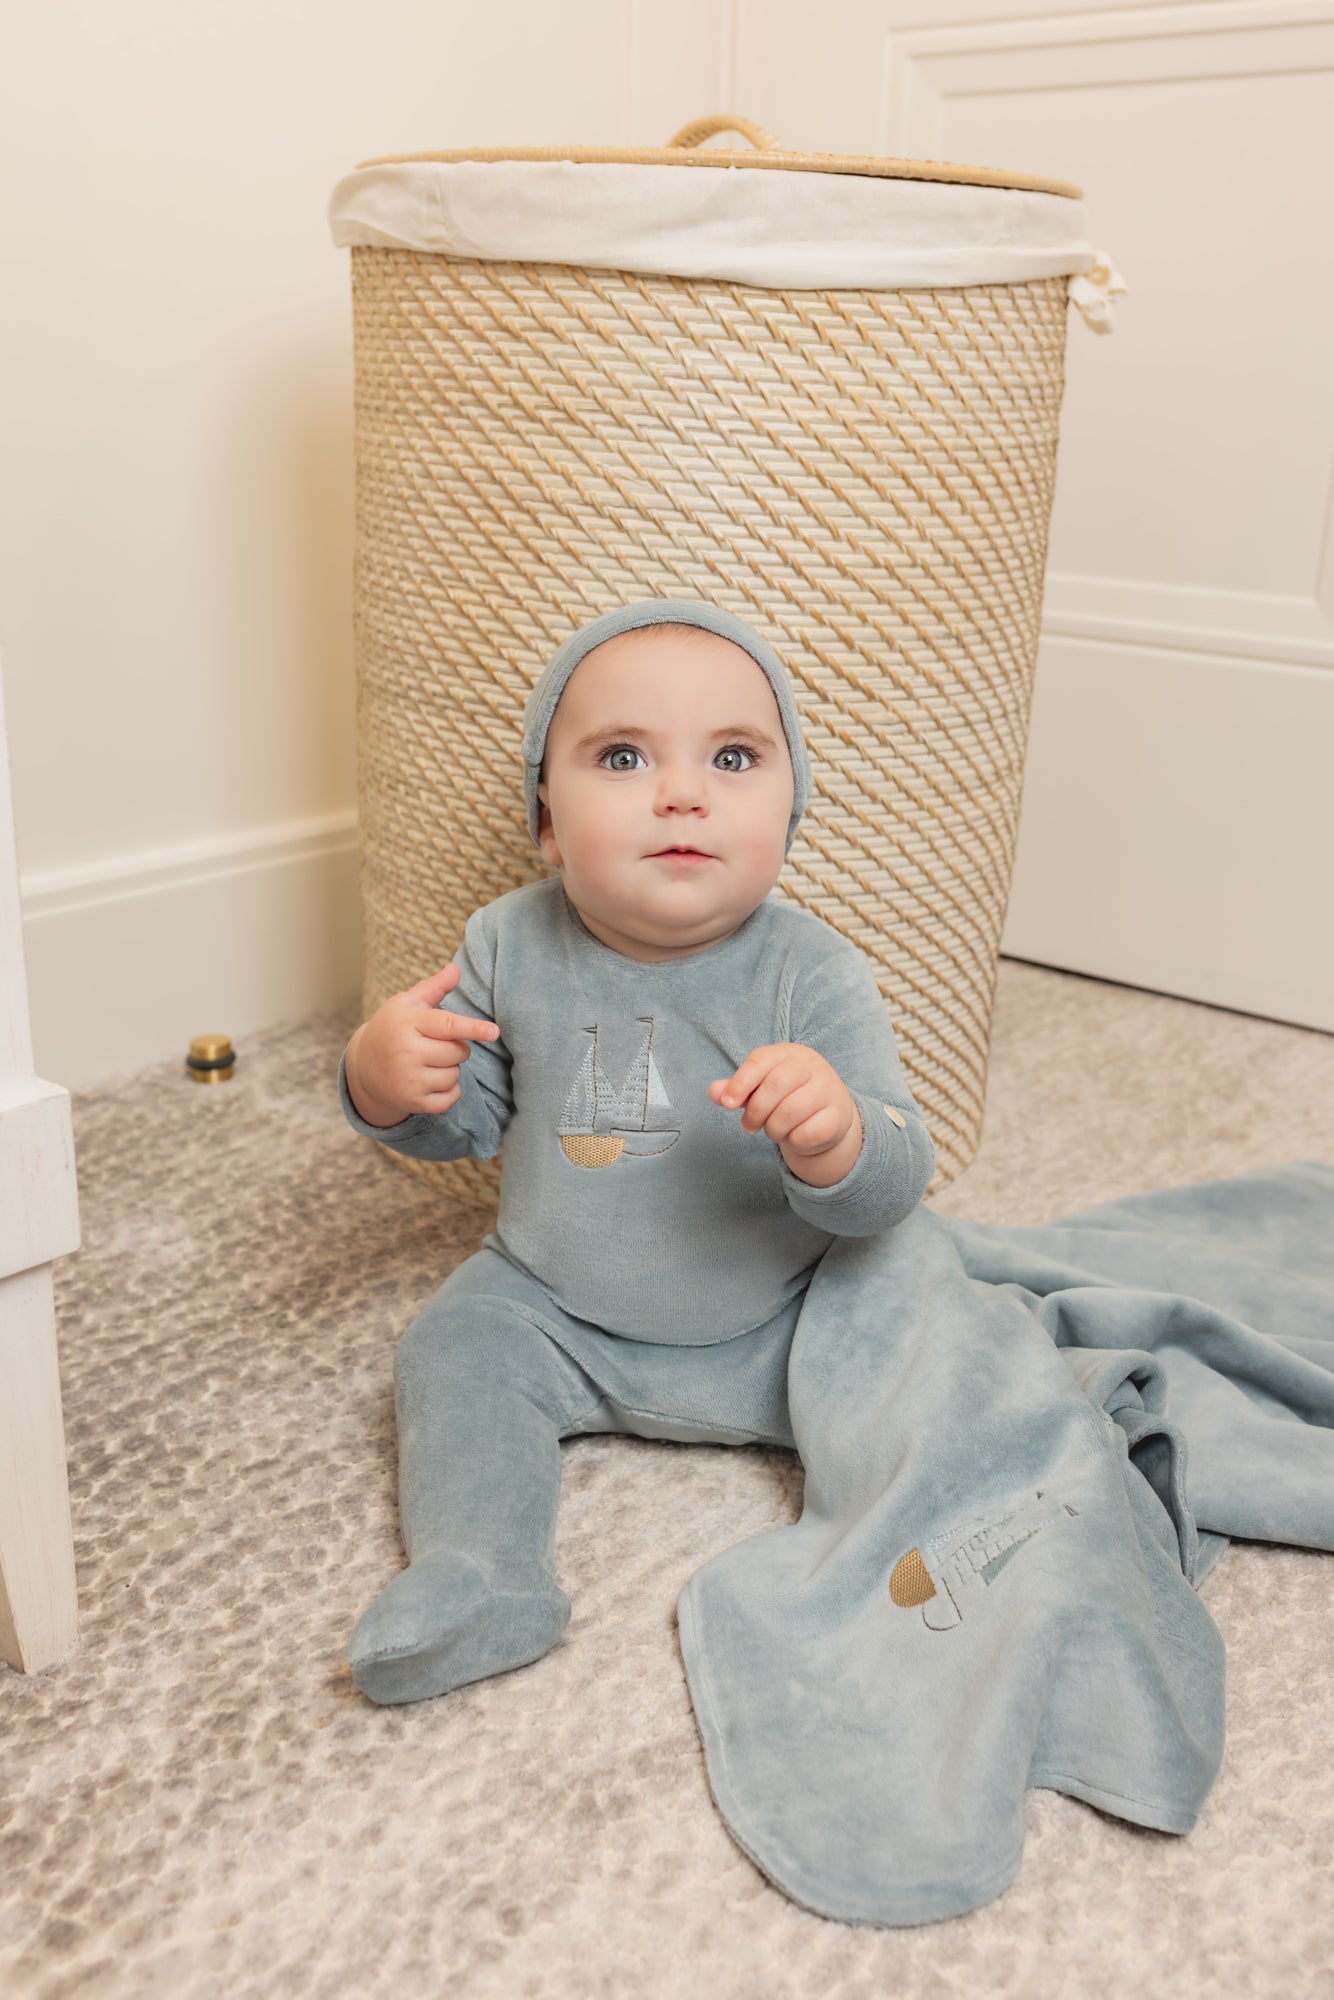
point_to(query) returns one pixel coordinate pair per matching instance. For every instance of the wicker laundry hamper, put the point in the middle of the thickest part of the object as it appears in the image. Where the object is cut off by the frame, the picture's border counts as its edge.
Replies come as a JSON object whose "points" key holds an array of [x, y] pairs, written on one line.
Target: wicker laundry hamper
{"points": [[829, 427]]}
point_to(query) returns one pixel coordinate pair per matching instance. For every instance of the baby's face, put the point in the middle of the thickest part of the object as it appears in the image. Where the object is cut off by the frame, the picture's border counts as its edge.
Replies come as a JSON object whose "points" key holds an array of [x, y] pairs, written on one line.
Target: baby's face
{"points": [[660, 740]]}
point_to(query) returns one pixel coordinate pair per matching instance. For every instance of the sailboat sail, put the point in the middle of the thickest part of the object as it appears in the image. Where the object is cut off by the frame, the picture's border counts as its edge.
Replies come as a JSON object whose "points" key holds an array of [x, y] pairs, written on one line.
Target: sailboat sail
{"points": [[581, 1106], [629, 1106], [657, 1100]]}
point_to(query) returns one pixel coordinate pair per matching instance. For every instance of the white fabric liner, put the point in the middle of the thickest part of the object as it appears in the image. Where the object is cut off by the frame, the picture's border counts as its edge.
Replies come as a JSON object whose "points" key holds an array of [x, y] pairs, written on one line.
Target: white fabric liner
{"points": [[776, 228]]}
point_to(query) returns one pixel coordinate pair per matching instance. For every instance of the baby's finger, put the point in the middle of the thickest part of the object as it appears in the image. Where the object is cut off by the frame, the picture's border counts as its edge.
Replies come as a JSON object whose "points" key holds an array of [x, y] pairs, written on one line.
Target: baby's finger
{"points": [[793, 1109], [440, 1025], [431, 991], [788, 1074], [440, 1100], [435, 1057], [737, 1088], [816, 1133]]}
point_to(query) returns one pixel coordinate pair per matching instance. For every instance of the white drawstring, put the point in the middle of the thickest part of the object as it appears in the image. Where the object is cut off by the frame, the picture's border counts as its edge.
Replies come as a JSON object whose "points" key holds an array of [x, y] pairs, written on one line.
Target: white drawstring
{"points": [[1093, 291]]}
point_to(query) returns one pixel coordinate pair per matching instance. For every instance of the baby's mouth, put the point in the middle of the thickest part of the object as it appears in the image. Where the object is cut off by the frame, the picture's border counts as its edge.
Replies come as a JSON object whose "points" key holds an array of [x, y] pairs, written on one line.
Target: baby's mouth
{"points": [[681, 854]]}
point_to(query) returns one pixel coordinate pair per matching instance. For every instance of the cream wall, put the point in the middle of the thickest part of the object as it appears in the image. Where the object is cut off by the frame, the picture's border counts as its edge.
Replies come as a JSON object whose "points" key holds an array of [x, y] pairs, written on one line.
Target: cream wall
{"points": [[176, 487]]}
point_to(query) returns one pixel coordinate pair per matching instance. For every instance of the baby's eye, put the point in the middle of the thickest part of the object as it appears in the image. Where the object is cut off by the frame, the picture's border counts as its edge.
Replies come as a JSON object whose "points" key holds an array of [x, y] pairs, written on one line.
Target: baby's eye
{"points": [[618, 750], [737, 750]]}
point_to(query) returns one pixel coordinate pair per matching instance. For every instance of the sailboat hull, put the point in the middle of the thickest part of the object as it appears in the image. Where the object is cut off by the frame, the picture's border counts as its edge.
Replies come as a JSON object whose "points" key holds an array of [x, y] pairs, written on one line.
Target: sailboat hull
{"points": [[603, 1149], [642, 1145], [592, 1149]]}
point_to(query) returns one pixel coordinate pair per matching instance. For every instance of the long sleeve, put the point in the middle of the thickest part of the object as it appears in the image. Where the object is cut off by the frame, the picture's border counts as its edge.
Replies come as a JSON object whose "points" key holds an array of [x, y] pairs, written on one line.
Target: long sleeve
{"points": [[835, 1008], [474, 1126]]}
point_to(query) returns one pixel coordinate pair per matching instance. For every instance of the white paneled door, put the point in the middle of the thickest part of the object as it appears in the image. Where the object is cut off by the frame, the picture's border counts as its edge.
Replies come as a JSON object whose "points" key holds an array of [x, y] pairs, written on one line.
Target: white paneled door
{"points": [[39, 1221], [1178, 817]]}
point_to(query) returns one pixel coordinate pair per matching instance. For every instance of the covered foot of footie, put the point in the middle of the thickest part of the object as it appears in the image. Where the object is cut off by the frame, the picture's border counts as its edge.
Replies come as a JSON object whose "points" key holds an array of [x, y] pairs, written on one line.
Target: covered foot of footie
{"points": [[441, 1624]]}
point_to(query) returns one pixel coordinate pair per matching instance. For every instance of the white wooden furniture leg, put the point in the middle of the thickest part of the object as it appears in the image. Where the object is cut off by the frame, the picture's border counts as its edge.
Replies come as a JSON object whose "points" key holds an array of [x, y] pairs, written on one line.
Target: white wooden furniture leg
{"points": [[39, 1221], [38, 1609]]}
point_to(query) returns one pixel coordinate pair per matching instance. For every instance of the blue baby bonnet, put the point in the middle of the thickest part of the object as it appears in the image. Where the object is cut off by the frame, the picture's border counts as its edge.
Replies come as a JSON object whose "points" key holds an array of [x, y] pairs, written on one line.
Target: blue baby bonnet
{"points": [[541, 704]]}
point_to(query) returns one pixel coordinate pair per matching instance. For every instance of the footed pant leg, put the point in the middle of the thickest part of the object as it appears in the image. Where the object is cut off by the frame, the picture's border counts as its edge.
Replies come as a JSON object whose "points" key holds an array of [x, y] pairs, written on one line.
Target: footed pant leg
{"points": [[482, 1398]]}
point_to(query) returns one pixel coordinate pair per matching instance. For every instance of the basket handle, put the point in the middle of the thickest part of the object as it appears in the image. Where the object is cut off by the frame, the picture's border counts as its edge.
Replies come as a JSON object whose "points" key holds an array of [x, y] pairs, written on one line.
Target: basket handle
{"points": [[700, 129]]}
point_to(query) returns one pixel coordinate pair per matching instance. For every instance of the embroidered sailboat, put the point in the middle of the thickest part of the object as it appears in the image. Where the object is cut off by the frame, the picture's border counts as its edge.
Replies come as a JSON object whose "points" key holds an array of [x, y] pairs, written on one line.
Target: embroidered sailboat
{"points": [[954, 1580], [599, 1124]]}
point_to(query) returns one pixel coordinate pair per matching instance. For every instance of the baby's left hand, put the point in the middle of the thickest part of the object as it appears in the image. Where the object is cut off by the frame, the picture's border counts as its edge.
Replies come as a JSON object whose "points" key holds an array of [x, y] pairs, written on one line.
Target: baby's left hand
{"points": [[793, 1095]]}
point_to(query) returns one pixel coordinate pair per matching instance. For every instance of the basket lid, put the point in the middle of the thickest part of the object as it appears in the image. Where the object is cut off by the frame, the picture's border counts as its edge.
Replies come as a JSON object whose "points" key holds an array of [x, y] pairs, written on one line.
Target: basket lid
{"points": [[810, 222], [687, 149]]}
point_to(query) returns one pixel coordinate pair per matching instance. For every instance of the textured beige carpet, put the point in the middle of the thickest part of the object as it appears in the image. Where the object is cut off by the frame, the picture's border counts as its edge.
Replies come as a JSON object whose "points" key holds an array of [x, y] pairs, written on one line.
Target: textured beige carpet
{"points": [[199, 1802]]}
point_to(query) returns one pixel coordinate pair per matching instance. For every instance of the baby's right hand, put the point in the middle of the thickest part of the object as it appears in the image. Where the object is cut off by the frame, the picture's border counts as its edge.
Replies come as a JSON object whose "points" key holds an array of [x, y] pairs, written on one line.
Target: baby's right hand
{"points": [[407, 1057]]}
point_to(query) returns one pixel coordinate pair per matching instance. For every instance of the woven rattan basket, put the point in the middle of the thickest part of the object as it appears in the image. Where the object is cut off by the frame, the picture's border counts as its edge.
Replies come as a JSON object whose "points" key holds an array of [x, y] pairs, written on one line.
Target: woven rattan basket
{"points": [[864, 474]]}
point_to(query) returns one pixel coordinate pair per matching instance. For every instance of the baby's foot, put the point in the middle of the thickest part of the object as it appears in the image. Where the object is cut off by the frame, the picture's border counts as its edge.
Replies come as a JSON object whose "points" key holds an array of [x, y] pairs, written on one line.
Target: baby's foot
{"points": [[440, 1624]]}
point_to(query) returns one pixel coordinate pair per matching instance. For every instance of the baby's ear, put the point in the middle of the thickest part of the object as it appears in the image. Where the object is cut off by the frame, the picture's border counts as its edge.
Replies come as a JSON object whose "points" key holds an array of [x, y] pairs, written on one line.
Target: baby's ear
{"points": [[545, 836]]}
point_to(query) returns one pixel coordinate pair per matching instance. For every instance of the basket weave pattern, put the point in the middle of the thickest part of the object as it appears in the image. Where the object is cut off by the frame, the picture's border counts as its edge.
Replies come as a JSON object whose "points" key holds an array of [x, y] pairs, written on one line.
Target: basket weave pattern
{"points": [[865, 477]]}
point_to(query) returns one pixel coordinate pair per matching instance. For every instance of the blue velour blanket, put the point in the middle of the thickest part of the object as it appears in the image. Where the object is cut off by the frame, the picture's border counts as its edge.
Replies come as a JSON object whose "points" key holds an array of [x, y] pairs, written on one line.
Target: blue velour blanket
{"points": [[1024, 1449]]}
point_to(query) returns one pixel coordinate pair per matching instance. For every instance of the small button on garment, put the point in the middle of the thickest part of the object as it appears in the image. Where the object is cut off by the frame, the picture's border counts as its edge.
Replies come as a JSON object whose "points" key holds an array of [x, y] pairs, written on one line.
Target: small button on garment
{"points": [[897, 1116]]}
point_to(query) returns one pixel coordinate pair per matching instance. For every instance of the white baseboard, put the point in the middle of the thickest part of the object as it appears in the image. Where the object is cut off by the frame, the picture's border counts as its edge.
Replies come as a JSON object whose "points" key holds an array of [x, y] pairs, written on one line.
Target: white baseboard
{"points": [[128, 959]]}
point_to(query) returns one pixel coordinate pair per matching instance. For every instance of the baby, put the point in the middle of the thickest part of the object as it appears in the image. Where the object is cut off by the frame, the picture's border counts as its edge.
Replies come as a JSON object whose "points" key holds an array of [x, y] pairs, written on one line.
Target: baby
{"points": [[698, 1089]]}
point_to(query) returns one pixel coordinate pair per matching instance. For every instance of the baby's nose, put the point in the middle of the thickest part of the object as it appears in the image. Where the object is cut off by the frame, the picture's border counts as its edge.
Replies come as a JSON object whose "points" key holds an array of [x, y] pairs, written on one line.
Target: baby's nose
{"points": [[681, 783]]}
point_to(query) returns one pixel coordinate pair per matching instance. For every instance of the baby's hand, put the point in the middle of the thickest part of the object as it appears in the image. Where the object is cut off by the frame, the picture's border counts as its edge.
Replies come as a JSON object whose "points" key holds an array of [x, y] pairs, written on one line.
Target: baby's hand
{"points": [[407, 1057], [794, 1096]]}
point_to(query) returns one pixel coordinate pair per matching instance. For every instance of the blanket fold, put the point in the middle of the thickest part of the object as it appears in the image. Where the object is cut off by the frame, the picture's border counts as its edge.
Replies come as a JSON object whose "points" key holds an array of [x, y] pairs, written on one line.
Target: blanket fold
{"points": [[1024, 1447]]}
